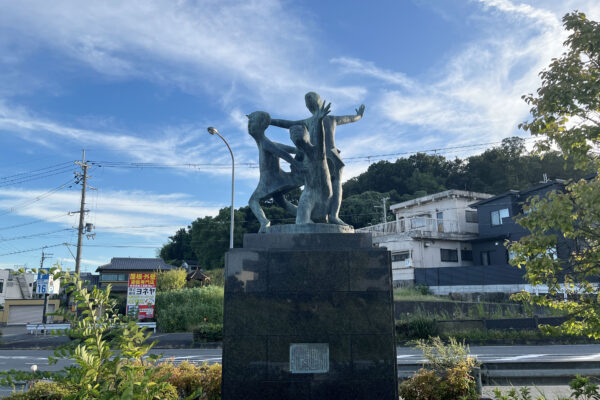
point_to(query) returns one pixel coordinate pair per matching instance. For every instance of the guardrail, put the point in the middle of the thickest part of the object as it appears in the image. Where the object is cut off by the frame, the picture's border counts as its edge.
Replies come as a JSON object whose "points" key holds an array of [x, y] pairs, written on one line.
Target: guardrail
{"points": [[35, 329], [525, 373]]}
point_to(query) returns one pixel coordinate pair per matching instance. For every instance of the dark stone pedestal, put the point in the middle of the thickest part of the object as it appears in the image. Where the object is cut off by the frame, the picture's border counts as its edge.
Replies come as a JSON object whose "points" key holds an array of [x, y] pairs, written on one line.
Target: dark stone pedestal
{"points": [[309, 316]]}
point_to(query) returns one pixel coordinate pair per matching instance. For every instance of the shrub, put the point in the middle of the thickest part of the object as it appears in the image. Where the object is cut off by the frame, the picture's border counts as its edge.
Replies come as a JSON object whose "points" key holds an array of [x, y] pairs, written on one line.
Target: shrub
{"points": [[216, 275], [420, 327], [43, 390], [182, 310], [96, 370], [449, 376], [170, 280], [207, 332], [194, 381], [423, 290]]}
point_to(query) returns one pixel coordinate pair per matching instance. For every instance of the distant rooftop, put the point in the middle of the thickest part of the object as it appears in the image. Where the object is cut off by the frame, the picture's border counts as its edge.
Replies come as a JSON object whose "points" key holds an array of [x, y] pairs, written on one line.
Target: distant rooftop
{"points": [[142, 264], [521, 193], [439, 196]]}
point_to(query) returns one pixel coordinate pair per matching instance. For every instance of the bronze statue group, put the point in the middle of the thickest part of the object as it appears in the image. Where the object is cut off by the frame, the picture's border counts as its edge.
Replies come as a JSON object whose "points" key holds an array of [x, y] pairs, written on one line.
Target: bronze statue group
{"points": [[315, 163]]}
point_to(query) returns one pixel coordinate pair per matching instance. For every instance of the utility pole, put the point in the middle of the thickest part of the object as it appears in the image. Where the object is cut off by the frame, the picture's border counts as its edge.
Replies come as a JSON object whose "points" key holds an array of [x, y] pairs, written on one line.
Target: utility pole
{"points": [[45, 310], [384, 208], [84, 168]]}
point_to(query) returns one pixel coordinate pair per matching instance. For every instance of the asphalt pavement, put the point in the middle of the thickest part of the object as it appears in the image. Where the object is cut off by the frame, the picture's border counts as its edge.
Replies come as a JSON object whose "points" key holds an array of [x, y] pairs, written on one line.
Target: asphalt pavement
{"points": [[23, 359]]}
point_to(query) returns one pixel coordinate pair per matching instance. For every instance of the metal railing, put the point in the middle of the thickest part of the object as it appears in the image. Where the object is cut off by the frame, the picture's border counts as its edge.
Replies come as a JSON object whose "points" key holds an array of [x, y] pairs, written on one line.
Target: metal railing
{"points": [[413, 225]]}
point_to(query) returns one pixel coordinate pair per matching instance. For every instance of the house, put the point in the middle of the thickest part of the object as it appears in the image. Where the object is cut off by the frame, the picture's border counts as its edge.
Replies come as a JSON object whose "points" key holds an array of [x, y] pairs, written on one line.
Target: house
{"points": [[15, 286], [117, 271], [433, 231], [18, 300], [490, 270]]}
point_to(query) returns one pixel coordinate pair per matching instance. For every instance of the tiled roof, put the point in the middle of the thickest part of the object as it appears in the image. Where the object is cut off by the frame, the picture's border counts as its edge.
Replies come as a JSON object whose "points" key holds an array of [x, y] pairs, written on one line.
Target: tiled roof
{"points": [[128, 264], [197, 275]]}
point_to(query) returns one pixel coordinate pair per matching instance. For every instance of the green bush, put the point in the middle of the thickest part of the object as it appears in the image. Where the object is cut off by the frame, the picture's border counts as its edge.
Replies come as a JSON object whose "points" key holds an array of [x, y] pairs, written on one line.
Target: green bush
{"points": [[420, 327], [216, 275], [207, 332], [182, 310], [171, 280], [43, 390], [449, 374], [194, 381]]}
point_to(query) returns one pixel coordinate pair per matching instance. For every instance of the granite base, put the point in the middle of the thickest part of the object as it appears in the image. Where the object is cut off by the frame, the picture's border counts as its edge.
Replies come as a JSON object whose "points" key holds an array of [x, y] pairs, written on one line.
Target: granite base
{"points": [[309, 316]]}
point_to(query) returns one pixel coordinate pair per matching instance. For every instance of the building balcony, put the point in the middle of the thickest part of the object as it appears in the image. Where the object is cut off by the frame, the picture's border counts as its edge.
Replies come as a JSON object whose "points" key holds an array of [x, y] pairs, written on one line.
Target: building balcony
{"points": [[422, 227]]}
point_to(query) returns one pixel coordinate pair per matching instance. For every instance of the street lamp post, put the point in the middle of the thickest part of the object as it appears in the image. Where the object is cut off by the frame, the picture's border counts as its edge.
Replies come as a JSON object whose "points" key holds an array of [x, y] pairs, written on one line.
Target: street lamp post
{"points": [[214, 131]]}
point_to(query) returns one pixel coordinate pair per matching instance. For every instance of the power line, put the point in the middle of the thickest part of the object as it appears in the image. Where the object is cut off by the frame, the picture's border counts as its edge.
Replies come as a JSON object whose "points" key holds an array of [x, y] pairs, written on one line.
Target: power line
{"points": [[34, 222], [30, 250], [38, 198], [36, 177], [139, 165], [36, 170], [35, 235]]}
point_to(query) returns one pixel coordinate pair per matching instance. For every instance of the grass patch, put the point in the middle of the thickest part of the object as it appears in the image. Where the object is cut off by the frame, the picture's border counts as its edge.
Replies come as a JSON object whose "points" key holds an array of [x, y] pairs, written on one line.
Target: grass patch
{"points": [[416, 293], [182, 310]]}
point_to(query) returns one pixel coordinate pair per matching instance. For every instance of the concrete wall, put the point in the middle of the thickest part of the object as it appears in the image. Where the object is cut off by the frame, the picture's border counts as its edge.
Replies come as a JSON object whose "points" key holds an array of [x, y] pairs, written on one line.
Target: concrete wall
{"points": [[424, 253]]}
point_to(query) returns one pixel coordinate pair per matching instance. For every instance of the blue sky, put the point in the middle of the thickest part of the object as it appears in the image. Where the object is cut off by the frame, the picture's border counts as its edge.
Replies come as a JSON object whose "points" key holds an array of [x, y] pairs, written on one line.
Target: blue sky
{"points": [[139, 82]]}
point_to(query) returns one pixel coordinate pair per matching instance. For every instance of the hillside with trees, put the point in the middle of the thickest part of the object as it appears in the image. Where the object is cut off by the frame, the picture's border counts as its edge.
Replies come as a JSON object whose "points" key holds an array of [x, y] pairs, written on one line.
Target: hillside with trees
{"points": [[496, 170]]}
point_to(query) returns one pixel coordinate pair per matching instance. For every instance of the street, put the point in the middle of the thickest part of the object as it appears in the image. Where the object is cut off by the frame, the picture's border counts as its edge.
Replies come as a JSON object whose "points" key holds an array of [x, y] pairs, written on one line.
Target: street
{"points": [[23, 359]]}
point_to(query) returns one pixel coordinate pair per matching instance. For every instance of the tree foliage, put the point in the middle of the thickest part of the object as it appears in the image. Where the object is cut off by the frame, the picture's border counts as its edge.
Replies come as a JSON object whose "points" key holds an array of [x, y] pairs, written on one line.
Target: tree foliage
{"points": [[566, 114], [171, 280], [496, 170]]}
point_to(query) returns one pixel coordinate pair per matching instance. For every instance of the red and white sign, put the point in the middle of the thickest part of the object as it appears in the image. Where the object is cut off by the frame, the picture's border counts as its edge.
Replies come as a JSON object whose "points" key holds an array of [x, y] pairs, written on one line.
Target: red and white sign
{"points": [[141, 293]]}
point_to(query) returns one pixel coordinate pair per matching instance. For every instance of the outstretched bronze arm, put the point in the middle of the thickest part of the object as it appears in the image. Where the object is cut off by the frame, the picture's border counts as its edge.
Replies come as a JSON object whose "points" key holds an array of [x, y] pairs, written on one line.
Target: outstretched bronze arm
{"points": [[346, 119], [284, 123]]}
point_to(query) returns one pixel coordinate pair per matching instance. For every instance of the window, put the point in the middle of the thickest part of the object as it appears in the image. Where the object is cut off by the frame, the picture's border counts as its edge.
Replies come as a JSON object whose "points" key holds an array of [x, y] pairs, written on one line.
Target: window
{"points": [[401, 256], [417, 222], [115, 277], [471, 216], [449, 255], [499, 215], [1, 286], [466, 255], [486, 257]]}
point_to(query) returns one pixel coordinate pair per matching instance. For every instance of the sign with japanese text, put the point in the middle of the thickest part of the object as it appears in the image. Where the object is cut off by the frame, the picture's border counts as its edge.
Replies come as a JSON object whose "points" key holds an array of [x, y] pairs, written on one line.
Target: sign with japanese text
{"points": [[46, 284], [141, 293]]}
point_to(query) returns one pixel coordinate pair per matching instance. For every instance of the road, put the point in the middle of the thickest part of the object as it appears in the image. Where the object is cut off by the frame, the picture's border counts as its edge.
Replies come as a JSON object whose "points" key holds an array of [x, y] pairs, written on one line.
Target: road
{"points": [[24, 359]]}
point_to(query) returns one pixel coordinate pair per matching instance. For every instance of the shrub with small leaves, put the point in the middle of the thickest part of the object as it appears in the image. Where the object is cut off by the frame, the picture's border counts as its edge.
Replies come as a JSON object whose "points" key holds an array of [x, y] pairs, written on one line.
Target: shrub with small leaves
{"points": [[194, 381], [448, 376]]}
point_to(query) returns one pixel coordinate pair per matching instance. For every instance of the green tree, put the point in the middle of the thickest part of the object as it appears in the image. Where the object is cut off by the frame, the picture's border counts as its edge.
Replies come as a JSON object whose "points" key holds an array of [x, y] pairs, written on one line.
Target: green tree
{"points": [[171, 280], [566, 114]]}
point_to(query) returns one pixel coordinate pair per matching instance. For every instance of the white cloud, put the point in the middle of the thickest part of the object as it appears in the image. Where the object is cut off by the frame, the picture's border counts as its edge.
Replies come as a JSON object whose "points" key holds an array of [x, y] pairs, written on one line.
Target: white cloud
{"points": [[356, 66], [231, 47], [527, 11], [121, 212]]}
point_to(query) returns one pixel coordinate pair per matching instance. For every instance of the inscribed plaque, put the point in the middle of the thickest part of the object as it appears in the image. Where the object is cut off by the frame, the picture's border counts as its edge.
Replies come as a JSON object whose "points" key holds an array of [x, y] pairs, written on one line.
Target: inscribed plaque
{"points": [[309, 358]]}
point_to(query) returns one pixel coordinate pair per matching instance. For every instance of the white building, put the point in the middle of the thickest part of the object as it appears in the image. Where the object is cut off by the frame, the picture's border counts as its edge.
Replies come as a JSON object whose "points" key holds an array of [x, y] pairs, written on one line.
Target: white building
{"points": [[15, 286], [430, 231]]}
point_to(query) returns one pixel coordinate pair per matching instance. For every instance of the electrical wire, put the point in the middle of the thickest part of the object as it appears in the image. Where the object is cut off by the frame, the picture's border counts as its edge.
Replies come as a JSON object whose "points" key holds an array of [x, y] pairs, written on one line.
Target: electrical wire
{"points": [[35, 235], [38, 198], [30, 250], [51, 167], [34, 222]]}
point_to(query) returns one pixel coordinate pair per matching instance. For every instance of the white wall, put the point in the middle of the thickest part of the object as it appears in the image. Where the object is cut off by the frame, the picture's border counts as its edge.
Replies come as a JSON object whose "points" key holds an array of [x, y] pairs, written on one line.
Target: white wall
{"points": [[453, 210], [11, 288]]}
